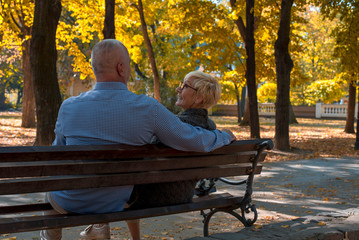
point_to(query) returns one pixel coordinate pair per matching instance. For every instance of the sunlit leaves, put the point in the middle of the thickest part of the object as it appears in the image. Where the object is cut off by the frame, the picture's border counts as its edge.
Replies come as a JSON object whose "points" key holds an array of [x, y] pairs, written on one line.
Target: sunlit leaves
{"points": [[17, 14], [345, 13], [15, 22], [80, 25], [267, 93], [317, 60], [189, 34], [326, 91]]}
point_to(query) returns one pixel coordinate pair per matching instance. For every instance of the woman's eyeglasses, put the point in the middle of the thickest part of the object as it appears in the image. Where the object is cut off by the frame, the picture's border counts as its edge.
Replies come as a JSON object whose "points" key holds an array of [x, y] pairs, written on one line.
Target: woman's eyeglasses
{"points": [[185, 85]]}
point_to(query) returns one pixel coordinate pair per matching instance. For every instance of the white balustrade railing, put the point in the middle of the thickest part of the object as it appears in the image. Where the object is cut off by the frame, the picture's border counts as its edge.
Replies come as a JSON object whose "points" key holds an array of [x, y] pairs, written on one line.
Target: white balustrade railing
{"points": [[333, 110], [321, 110], [266, 109]]}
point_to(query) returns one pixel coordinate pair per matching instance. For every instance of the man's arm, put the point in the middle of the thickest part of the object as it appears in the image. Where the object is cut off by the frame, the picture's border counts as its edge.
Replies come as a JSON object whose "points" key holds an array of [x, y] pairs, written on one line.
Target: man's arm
{"points": [[60, 139], [174, 133]]}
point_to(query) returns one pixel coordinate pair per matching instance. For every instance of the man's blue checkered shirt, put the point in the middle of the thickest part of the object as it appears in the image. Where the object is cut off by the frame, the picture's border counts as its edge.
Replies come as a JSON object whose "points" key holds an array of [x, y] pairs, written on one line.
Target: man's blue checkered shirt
{"points": [[111, 114]]}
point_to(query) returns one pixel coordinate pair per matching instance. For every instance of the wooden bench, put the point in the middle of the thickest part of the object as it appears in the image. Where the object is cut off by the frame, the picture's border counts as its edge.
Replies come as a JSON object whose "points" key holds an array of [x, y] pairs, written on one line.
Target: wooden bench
{"points": [[47, 168]]}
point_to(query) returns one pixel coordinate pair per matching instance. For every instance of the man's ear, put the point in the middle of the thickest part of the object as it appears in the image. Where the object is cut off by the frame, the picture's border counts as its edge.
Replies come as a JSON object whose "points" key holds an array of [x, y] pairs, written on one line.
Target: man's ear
{"points": [[120, 70]]}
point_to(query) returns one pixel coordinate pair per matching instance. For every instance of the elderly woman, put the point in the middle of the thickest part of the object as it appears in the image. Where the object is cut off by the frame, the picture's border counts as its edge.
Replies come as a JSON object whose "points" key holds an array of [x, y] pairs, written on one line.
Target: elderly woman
{"points": [[196, 93]]}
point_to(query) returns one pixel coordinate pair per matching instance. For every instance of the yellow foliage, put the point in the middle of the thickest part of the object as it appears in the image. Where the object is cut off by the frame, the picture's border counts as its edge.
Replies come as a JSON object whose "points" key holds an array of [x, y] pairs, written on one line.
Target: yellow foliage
{"points": [[267, 93], [326, 91]]}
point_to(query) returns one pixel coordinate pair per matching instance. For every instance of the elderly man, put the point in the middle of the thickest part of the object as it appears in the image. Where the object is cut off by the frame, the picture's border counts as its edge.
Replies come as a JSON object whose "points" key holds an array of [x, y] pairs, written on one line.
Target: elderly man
{"points": [[111, 114]]}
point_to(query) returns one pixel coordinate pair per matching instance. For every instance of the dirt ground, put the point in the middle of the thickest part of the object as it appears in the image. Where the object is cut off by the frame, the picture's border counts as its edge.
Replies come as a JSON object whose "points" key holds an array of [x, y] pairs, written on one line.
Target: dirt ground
{"points": [[310, 138]]}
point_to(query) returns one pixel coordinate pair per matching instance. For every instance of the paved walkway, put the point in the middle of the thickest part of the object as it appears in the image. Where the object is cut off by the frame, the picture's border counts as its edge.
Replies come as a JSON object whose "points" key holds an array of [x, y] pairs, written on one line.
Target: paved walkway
{"points": [[289, 193], [340, 225]]}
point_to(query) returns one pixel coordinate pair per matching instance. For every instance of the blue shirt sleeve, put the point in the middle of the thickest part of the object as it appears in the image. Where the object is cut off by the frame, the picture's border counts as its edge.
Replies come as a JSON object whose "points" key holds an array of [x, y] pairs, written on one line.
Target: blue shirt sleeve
{"points": [[179, 135], [60, 139]]}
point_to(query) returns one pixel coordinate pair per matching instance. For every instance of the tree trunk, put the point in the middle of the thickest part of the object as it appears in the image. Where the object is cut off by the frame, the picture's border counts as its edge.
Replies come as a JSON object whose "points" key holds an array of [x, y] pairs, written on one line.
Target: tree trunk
{"points": [[2, 95], [239, 112], [109, 25], [2, 86], [15, 17], [43, 64], [356, 145], [349, 126], [247, 34], [284, 65], [28, 101], [243, 99], [292, 118], [251, 71], [246, 116], [245, 121], [151, 56], [19, 97]]}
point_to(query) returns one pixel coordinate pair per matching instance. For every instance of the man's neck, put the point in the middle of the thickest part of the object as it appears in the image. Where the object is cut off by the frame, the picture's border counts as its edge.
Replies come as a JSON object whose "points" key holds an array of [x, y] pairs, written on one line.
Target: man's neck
{"points": [[109, 78]]}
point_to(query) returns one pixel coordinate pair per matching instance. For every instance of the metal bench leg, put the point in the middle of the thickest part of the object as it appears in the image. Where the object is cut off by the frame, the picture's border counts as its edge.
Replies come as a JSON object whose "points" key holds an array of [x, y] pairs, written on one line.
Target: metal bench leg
{"points": [[245, 205], [241, 217]]}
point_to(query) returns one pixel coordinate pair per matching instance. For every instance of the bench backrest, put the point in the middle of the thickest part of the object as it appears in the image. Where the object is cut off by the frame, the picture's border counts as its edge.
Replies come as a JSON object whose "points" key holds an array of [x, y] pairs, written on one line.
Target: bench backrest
{"points": [[47, 168]]}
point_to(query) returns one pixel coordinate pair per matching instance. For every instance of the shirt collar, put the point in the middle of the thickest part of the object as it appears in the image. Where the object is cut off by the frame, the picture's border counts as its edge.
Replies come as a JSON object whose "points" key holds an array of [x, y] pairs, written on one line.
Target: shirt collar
{"points": [[110, 86]]}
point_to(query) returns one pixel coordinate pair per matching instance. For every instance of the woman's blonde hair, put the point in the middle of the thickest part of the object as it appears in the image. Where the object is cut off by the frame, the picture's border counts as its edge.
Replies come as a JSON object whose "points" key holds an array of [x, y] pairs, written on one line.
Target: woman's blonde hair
{"points": [[207, 86]]}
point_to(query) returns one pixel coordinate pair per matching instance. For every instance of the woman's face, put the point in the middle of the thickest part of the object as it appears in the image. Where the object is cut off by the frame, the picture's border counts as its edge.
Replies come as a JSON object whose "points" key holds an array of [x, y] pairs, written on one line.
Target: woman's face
{"points": [[187, 96]]}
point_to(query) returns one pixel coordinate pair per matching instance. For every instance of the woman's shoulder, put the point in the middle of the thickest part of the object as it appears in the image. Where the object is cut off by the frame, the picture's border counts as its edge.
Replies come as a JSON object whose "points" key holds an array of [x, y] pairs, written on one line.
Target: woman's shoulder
{"points": [[197, 117]]}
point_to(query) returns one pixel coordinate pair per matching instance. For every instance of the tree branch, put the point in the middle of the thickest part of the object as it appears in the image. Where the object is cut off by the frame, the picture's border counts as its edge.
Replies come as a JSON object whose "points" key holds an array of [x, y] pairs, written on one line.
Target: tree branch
{"points": [[240, 24], [139, 72]]}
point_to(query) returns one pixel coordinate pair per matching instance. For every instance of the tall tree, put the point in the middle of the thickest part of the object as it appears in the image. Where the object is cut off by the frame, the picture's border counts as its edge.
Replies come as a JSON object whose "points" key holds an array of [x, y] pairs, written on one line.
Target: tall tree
{"points": [[150, 52], [347, 45], [17, 16], [247, 33], [109, 26], [347, 49], [284, 65], [43, 64]]}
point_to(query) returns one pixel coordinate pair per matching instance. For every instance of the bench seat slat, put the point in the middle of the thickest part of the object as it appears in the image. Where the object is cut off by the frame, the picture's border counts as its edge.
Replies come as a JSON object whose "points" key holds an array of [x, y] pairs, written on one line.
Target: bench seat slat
{"points": [[72, 167], [24, 208], [44, 184], [31, 223], [115, 151]]}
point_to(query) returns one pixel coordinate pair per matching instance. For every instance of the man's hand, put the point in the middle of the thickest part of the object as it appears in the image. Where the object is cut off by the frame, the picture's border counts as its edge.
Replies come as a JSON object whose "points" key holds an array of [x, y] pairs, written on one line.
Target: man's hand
{"points": [[230, 133]]}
